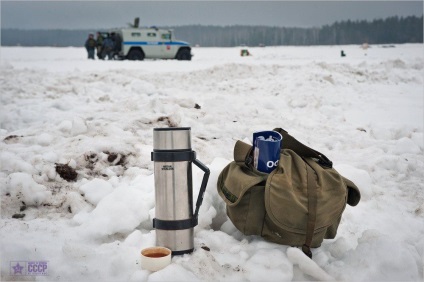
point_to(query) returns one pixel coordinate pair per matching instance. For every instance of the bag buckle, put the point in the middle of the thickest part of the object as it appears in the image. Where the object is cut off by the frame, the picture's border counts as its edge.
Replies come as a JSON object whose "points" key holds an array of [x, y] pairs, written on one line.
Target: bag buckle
{"points": [[249, 160], [324, 161]]}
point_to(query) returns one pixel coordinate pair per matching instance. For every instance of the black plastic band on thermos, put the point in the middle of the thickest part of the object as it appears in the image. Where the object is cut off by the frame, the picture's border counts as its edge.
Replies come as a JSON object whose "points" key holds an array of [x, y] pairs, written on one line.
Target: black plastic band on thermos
{"points": [[173, 156], [174, 224]]}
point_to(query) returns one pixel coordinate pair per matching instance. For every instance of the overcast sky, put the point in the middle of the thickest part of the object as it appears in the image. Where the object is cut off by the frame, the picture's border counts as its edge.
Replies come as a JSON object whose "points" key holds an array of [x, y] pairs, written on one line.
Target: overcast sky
{"points": [[108, 14]]}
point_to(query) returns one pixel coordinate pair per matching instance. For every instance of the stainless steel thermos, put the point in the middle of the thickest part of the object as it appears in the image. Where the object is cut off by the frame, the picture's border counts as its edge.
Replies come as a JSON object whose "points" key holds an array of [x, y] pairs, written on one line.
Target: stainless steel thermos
{"points": [[174, 218]]}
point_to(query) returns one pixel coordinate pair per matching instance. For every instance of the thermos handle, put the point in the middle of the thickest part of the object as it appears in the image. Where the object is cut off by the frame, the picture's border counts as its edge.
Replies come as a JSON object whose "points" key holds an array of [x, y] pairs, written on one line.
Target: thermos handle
{"points": [[190, 222], [200, 165]]}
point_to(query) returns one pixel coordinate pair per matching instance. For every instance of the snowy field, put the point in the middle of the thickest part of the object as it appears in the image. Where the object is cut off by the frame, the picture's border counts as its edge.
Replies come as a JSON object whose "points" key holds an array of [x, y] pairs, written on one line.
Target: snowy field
{"points": [[364, 111]]}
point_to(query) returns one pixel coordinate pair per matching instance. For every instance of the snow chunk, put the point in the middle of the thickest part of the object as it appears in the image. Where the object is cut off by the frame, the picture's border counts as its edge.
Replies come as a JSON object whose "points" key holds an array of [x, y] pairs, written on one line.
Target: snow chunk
{"points": [[185, 103], [72, 163], [307, 265], [50, 156], [79, 126], [339, 248], [383, 258], [96, 190], [405, 146], [176, 271], [418, 138], [77, 203], [65, 126], [12, 162], [119, 212], [45, 139], [269, 265], [32, 192]]}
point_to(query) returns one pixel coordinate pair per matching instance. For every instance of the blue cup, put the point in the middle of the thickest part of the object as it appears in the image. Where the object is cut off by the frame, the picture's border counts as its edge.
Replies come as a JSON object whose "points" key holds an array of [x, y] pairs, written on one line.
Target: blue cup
{"points": [[266, 150]]}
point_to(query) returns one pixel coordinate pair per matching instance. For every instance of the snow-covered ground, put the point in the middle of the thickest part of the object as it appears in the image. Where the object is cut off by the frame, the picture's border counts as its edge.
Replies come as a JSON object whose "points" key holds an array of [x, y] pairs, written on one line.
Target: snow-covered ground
{"points": [[364, 111]]}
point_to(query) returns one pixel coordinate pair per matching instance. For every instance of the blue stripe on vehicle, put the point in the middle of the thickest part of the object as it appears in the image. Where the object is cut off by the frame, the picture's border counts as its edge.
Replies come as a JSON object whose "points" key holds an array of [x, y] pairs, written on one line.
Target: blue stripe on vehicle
{"points": [[154, 43]]}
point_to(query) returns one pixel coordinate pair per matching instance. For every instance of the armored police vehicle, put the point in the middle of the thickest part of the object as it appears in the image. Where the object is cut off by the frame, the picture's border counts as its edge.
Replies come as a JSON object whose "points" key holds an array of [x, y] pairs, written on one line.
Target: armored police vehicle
{"points": [[149, 43]]}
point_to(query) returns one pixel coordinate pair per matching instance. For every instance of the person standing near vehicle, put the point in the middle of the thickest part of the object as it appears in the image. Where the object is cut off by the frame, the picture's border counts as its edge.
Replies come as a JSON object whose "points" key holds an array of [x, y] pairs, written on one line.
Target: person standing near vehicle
{"points": [[90, 46], [99, 40], [107, 48]]}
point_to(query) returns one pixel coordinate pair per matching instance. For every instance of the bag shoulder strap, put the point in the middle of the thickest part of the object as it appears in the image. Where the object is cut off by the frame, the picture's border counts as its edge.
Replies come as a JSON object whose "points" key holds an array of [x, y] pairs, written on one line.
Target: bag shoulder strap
{"points": [[289, 142], [312, 210]]}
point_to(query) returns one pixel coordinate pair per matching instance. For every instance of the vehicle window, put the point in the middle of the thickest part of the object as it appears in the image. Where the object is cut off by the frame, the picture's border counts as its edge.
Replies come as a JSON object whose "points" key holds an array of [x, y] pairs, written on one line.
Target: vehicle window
{"points": [[135, 34], [166, 36], [151, 34]]}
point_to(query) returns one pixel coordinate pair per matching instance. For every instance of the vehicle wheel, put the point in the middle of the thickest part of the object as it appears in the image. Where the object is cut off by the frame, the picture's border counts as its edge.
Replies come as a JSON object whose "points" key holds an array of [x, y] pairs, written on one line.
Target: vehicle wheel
{"points": [[184, 55], [136, 55]]}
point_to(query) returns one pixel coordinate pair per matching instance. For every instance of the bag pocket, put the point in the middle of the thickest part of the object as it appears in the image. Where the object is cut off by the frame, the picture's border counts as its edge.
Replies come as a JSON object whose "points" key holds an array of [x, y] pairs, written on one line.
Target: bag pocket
{"points": [[243, 192], [286, 201]]}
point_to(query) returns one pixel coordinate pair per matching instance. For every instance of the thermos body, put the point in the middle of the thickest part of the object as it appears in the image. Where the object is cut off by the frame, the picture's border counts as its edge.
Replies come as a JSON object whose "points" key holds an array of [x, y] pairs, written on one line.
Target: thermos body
{"points": [[174, 219], [174, 202]]}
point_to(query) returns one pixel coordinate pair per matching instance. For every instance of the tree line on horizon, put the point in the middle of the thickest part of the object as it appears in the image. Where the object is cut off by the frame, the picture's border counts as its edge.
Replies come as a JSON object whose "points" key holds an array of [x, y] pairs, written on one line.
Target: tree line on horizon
{"points": [[392, 30]]}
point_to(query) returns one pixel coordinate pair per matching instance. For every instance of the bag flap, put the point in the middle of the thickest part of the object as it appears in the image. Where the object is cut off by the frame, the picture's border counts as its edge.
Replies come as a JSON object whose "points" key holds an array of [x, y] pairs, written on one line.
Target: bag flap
{"points": [[234, 181], [286, 194]]}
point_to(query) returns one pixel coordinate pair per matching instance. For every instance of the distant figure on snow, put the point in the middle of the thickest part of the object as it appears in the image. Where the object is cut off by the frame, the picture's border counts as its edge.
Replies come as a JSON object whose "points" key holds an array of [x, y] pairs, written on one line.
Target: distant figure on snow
{"points": [[107, 48], [117, 41], [244, 52], [90, 46], [99, 45]]}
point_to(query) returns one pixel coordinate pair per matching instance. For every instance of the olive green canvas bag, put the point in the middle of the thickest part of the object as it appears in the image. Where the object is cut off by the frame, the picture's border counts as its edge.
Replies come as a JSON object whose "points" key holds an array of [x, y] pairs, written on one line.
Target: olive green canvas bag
{"points": [[299, 203]]}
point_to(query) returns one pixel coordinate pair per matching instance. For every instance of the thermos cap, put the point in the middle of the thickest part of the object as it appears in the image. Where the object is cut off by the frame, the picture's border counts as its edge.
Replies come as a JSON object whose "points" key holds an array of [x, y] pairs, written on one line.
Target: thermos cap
{"points": [[172, 138]]}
